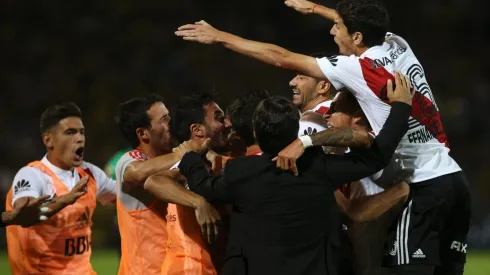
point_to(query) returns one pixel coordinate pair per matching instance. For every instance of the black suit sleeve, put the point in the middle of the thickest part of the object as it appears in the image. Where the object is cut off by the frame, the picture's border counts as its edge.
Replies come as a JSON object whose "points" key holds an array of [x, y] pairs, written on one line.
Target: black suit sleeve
{"points": [[212, 188], [362, 163]]}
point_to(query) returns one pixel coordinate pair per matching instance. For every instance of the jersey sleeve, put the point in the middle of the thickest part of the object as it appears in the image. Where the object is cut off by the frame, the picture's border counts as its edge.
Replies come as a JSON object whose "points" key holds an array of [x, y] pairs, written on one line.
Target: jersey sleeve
{"points": [[106, 187], [28, 182], [123, 163], [342, 71]]}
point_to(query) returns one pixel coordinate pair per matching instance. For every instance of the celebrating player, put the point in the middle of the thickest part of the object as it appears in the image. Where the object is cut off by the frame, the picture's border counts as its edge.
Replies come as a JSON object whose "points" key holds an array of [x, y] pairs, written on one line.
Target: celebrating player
{"points": [[144, 122], [370, 56], [61, 244], [197, 120]]}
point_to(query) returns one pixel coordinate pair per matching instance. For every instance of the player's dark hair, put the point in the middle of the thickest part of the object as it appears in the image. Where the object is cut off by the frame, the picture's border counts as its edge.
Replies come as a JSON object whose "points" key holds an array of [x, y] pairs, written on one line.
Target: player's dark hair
{"points": [[276, 124], [368, 17], [241, 112], [350, 106], [54, 114], [133, 114], [189, 110]]}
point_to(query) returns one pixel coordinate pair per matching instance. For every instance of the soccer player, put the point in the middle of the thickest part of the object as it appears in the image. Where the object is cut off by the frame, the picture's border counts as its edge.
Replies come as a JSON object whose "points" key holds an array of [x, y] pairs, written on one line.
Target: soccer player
{"points": [[366, 202], [61, 244], [240, 113], [197, 119], [141, 208], [370, 55], [312, 97]]}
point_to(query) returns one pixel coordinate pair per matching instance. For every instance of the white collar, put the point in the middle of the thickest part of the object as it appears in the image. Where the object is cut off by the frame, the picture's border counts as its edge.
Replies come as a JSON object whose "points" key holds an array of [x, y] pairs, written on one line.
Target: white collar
{"points": [[56, 170], [325, 104], [383, 47]]}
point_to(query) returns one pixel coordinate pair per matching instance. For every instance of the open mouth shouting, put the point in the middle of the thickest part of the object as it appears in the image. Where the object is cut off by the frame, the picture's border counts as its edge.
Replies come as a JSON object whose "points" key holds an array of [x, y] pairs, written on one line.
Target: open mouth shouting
{"points": [[79, 154]]}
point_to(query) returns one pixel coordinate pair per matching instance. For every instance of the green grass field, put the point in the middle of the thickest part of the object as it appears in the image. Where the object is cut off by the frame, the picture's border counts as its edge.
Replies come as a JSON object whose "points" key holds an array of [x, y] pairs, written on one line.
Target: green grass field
{"points": [[106, 262]]}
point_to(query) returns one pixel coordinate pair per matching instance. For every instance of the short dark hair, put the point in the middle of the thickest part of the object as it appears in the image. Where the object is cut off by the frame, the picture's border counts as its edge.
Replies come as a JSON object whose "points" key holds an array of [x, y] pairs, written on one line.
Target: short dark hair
{"points": [[241, 112], [132, 114], [368, 17], [276, 124], [56, 113], [352, 107], [189, 110]]}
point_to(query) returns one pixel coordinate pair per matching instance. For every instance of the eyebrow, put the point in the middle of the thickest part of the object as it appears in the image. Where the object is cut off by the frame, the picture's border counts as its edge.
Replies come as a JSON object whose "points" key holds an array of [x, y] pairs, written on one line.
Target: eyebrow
{"points": [[74, 128]]}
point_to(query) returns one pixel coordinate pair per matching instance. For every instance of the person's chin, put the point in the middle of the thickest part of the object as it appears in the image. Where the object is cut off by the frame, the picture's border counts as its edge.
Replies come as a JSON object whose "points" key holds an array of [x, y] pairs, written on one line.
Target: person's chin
{"points": [[77, 163]]}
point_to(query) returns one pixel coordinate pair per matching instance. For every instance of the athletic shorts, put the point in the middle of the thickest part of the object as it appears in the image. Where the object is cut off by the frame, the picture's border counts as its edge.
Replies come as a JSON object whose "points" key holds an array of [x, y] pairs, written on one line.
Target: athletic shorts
{"points": [[433, 226]]}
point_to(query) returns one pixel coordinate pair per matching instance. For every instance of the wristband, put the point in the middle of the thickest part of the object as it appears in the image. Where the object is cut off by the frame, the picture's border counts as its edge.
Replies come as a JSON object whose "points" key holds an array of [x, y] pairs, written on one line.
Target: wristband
{"points": [[307, 141]]}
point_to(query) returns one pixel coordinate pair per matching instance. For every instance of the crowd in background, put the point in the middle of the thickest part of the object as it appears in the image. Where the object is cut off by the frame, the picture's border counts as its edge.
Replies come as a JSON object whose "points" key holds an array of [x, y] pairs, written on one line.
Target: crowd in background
{"points": [[99, 53]]}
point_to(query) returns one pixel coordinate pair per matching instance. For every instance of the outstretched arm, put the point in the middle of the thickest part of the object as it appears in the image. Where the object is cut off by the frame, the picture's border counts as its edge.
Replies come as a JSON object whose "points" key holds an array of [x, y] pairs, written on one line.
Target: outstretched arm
{"points": [[271, 54], [164, 187], [307, 7], [335, 137], [27, 213]]}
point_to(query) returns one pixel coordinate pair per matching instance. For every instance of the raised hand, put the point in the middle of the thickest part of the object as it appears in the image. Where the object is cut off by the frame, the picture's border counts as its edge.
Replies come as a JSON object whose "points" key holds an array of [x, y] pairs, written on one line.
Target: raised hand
{"points": [[301, 6], [78, 190], [286, 159], [192, 145], [402, 92], [200, 32]]}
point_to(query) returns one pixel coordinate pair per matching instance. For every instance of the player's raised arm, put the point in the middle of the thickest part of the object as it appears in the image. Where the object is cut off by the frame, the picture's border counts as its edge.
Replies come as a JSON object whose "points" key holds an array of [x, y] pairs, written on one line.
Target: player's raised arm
{"points": [[271, 54], [307, 7]]}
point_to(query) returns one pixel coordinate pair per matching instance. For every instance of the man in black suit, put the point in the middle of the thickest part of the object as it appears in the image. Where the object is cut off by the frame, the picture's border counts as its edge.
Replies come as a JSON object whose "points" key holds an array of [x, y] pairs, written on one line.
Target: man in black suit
{"points": [[281, 223]]}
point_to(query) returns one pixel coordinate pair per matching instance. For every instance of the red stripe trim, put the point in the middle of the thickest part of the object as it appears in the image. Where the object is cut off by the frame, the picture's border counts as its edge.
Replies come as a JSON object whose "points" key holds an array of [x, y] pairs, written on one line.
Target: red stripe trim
{"points": [[423, 110]]}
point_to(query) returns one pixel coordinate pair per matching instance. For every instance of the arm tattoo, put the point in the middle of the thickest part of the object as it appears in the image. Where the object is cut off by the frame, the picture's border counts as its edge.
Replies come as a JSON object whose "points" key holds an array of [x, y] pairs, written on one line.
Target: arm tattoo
{"points": [[343, 137]]}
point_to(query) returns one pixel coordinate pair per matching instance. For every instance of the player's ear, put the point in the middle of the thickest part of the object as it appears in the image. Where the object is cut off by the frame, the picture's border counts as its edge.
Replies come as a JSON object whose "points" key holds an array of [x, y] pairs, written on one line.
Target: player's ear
{"points": [[143, 134], [48, 140], [325, 86], [360, 119], [197, 130], [357, 37]]}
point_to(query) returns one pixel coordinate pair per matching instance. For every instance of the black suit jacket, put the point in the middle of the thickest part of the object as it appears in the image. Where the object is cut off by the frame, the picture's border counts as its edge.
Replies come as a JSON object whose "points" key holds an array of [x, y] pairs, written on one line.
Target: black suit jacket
{"points": [[280, 222]]}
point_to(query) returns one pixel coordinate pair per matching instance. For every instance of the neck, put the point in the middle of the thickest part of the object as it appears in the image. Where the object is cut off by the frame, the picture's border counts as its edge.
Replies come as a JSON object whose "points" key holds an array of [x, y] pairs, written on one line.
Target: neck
{"points": [[312, 104], [360, 51], [150, 151], [57, 162], [253, 148]]}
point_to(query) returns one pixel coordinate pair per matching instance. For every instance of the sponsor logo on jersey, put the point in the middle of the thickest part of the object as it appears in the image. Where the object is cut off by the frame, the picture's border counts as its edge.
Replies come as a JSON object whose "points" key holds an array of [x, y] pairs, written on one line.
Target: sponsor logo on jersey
{"points": [[333, 60], [309, 131], [386, 60], [21, 186]]}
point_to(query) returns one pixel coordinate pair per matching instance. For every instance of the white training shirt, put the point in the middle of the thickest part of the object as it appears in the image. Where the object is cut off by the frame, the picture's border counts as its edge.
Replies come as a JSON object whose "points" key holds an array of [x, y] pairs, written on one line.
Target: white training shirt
{"points": [[31, 182], [311, 121], [423, 150], [129, 202]]}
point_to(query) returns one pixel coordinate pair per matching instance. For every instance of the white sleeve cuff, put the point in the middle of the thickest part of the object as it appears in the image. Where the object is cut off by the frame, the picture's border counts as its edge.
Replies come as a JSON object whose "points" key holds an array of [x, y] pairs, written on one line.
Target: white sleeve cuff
{"points": [[307, 141]]}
